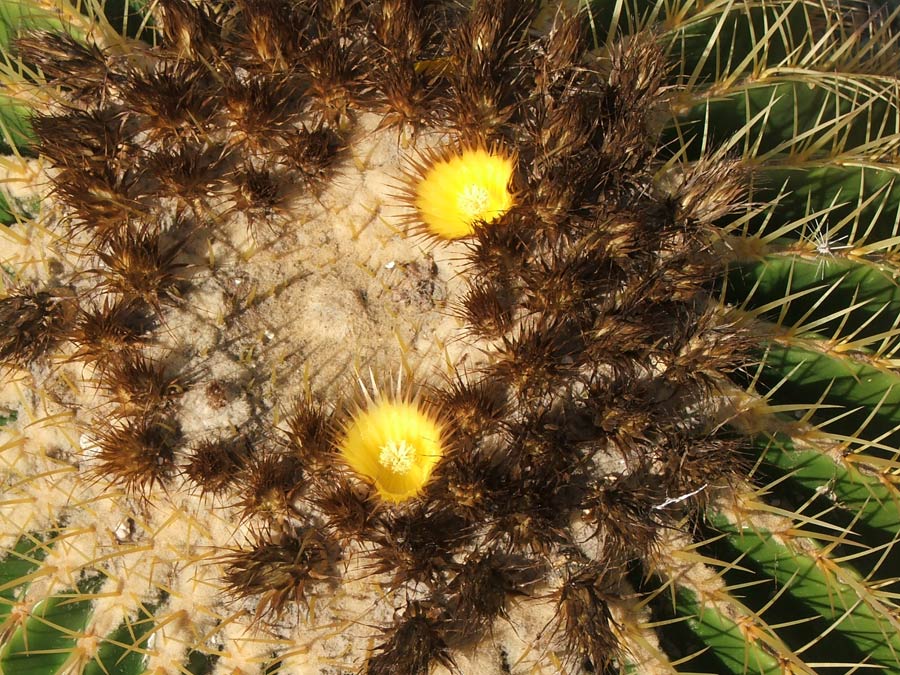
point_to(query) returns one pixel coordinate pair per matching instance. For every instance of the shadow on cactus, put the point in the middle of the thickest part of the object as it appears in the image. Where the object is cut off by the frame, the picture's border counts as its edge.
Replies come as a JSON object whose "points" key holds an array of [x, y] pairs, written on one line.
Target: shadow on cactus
{"points": [[420, 337]]}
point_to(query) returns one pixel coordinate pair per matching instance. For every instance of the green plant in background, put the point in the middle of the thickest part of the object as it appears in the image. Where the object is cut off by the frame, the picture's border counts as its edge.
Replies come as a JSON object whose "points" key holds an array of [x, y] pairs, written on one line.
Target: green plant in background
{"points": [[680, 451]]}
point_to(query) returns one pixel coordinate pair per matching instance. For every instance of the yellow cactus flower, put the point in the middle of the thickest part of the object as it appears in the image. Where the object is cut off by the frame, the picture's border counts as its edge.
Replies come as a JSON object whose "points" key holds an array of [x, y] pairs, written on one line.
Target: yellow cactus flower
{"points": [[395, 444], [461, 187]]}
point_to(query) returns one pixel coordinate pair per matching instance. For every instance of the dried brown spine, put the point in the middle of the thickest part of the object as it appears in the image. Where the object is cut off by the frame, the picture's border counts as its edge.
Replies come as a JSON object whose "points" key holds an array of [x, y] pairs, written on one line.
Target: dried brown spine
{"points": [[32, 323], [279, 568]]}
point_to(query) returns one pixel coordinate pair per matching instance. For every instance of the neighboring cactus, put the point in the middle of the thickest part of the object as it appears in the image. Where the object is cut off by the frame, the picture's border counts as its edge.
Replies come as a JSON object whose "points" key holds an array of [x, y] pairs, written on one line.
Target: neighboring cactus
{"points": [[660, 378]]}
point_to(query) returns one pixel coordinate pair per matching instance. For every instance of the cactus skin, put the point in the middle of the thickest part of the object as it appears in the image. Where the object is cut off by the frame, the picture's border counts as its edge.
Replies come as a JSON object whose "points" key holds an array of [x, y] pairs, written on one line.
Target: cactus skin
{"points": [[790, 570]]}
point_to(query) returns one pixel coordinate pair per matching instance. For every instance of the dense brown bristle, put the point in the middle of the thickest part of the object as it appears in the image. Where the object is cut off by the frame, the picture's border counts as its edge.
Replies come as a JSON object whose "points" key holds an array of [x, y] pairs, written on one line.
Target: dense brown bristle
{"points": [[139, 384], [473, 408], [621, 236], [709, 190], [585, 619], [311, 152], [567, 282], [596, 369], [562, 127], [396, 25], [278, 568], [261, 112], [486, 77], [402, 96], [418, 544], [310, 432], [333, 69], [621, 342], [139, 262], [274, 30], [257, 193], [99, 208], [487, 45], [538, 357], [477, 109], [336, 14], [32, 322], [549, 437], [136, 452], [556, 188], [487, 308], [350, 507], [702, 352], [479, 591], [413, 644], [269, 485], [528, 520], [622, 509], [90, 141], [215, 463], [173, 100], [78, 68], [638, 67], [116, 325], [192, 172], [190, 30], [564, 47], [471, 479], [402, 84], [498, 250], [697, 468]]}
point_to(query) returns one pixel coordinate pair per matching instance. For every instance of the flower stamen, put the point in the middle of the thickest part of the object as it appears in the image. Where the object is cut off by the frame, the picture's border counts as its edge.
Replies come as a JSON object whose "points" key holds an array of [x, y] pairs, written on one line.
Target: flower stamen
{"points": [[397, 457], [473, 201]]}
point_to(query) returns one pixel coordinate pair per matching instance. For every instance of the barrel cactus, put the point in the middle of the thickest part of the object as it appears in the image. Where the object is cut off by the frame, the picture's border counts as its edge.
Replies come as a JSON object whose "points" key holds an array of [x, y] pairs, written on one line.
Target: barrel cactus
{"points": [[416, 336]]}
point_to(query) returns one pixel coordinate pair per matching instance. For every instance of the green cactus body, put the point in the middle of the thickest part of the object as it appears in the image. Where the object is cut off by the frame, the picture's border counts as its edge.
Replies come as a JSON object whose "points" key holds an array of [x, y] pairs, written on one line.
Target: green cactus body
{"points": [[655, 370]]}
